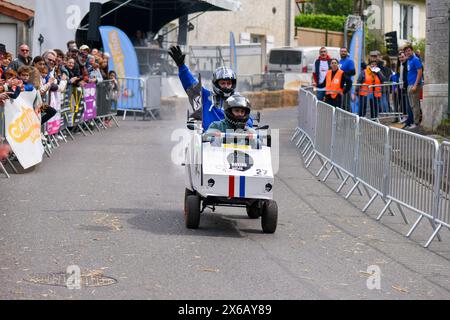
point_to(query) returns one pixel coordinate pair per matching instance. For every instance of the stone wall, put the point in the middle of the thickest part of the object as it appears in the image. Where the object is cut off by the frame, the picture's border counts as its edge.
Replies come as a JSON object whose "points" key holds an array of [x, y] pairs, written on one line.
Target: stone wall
{"points": [[435, 101]]}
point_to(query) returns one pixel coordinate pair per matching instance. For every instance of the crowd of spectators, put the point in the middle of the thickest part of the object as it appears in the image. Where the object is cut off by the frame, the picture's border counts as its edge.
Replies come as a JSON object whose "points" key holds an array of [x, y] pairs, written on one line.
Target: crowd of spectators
{"points": [[54, 70], [380, 87]]}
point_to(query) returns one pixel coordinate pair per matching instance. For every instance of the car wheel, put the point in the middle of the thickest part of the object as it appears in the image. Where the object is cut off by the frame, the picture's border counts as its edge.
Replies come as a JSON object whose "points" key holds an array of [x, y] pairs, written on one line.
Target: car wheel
{"points": [[254, 211], [269, 216], [191, 210]]}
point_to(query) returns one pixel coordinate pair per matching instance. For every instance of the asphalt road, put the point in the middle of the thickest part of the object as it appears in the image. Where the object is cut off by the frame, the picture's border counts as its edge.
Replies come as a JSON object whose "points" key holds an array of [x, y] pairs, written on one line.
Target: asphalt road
{"points": [[112, 204]]}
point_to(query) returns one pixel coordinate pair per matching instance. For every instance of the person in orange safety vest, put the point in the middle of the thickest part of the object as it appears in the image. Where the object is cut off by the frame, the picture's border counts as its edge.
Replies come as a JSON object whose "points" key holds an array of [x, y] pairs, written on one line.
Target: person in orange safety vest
{"points": [[337, 84], [371, 76]]}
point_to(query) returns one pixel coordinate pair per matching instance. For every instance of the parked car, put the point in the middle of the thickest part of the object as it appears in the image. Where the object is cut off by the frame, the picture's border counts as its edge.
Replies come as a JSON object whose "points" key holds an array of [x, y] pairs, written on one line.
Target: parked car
{"points": [[297, 60]]}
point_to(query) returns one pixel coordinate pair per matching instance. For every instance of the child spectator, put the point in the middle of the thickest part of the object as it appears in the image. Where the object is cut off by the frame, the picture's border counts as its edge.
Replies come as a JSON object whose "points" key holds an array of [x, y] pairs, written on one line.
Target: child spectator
{"points": [[13, 85], [7, 58], [24, 74]]}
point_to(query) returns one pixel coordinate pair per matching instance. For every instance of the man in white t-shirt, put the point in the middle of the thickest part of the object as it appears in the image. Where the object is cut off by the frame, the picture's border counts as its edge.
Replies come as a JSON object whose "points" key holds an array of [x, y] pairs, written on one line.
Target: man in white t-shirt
{"points": [[321, 67]]}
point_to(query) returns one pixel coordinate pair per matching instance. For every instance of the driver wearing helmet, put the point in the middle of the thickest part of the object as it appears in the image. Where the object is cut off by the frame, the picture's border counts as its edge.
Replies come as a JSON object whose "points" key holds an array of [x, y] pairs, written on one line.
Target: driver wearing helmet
{"points": [[224, 84], [237, 112]]}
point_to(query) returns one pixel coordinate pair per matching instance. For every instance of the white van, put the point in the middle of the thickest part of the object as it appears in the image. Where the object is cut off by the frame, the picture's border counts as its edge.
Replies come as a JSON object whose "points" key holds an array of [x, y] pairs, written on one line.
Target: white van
{"points": [[298, 60]]}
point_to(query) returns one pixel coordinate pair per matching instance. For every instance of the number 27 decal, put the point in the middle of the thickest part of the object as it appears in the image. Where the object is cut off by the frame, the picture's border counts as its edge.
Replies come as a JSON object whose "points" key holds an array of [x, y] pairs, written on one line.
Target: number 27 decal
{"points": [[261, 172]]}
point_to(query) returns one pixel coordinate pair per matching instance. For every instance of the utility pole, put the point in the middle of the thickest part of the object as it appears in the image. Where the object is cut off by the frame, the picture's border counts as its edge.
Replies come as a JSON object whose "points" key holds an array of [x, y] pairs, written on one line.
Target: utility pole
{"points": [[358, 7]]}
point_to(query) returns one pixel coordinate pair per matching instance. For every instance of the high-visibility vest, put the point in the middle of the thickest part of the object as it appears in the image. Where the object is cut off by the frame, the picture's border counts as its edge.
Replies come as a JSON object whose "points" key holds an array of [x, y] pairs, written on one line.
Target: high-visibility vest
{"points": [[333, 85], [370, 80]]}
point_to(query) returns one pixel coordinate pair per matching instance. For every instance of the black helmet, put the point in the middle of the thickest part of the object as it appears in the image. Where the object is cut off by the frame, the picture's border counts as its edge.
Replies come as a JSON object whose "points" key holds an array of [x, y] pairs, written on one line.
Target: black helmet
{"points": [[223, 73], [237, 101]]}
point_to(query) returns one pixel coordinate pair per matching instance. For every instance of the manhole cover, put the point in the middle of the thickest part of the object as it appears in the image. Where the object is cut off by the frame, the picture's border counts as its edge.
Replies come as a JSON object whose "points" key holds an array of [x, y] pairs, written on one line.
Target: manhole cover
{"points": [[61, 279]]}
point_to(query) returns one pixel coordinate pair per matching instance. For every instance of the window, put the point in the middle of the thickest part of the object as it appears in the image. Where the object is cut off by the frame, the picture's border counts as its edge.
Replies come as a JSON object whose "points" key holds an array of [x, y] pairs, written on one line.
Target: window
{"points": [[285, 57], [406, 21]]}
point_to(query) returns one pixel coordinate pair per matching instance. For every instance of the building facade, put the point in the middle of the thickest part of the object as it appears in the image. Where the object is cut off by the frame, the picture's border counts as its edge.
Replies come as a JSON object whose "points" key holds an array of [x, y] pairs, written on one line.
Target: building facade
{"points": [[269, 22], [15, 25], [407, 17]]}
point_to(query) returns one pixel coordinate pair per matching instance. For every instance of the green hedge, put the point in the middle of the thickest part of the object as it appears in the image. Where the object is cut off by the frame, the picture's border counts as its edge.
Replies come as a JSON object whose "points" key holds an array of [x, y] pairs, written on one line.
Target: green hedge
{"points": [[321, 21]]}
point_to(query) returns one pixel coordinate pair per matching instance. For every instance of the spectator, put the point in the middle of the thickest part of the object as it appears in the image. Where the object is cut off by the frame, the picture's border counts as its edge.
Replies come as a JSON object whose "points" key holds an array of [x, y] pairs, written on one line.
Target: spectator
{"points": [[60, 63], [74, 73], [71, 45], [95, 52], [402, 90], [23, 58], [4, 64], [415, 72], [321, 67], [5, 149], [114, 89], [140, 39], [2, 56], [112, 94], [370, 76], [38, 63], [85, 49], [103, 62], [95, 75], [336, 79], [47, 81], [386, 72], [419, 54], [13, 85], [24, 74], [348, 66], [60, 82], [84, 67]]}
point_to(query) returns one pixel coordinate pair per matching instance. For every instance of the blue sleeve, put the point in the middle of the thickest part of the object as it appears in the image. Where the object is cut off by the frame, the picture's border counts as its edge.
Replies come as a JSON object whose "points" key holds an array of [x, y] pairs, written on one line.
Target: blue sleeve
{"points": [[418, 64], [186, 77]]}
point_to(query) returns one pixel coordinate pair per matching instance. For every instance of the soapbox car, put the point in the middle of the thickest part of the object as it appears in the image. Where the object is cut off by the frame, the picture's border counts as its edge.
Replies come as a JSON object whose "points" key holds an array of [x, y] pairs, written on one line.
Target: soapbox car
{"points": [[229, 169]]}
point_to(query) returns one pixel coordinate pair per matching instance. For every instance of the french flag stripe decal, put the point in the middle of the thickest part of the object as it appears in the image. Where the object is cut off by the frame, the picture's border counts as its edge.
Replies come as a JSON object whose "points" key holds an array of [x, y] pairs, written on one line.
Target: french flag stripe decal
{"points": [[242, 187], [231, 187]]}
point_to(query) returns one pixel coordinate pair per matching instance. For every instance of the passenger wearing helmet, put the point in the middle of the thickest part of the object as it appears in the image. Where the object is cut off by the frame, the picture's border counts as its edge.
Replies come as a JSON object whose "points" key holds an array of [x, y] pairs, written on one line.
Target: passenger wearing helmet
{"points": [[224, 84]]}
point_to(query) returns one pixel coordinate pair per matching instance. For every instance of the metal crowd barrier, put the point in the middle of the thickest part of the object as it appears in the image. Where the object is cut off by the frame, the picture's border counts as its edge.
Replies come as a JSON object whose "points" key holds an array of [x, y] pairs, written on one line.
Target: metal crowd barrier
{"points": [[372, 152], [152, 96], [324, 136], [2, 137], [106, 101], [140, 95], [393, 102], [2, 123], [400, 167], [442, 191], [71, 111]]}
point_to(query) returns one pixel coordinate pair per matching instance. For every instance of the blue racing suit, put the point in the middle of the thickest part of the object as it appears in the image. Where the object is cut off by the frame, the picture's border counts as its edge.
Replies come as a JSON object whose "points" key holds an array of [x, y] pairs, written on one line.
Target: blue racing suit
{"points": [[210, 112]]}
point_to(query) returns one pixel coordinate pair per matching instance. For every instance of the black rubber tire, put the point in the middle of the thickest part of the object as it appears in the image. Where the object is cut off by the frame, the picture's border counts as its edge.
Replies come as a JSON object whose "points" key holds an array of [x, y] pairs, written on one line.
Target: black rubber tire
{"points": [[188, 192], [269, 216], [253, 211], [192, 210]]}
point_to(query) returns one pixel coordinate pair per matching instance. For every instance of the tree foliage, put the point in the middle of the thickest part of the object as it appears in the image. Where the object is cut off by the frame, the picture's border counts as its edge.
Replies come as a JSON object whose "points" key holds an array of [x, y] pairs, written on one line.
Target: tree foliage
{"points": [[331, 7], [321, 21]]}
